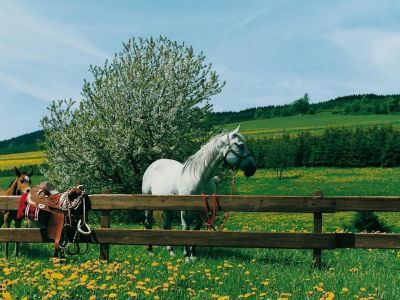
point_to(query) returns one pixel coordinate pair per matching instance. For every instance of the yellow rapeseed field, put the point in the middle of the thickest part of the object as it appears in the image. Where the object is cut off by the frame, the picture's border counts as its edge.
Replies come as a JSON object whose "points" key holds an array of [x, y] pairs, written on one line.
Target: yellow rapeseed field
{"points": [[9, 161]]}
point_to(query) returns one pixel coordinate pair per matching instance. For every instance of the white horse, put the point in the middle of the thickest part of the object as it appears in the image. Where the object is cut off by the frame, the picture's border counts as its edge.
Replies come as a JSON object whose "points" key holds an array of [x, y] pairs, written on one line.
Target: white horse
{"points": [[194, 177]]}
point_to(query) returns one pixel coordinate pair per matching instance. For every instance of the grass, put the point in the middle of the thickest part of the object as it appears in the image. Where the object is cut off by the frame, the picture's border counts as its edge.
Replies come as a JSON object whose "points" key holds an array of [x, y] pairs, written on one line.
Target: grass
{"points": [[224, 272], [312, 123], [9, 161]]}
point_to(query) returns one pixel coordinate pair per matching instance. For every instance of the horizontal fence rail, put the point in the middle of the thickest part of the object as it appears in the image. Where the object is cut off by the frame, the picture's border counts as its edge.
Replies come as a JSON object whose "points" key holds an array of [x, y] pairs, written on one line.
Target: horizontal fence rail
{"points": [[219, 239], [316, 204], [243, 203]]}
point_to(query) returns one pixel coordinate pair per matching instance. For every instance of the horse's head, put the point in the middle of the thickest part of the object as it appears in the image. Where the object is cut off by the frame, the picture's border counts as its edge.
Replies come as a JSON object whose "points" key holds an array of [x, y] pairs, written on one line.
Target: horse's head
{"points": [[23, 181], [236, 154]]}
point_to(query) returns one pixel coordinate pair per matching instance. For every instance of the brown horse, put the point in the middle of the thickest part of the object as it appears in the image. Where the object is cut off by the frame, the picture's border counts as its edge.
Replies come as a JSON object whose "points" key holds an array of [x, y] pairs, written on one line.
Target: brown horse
{"points": [[20, 185]]}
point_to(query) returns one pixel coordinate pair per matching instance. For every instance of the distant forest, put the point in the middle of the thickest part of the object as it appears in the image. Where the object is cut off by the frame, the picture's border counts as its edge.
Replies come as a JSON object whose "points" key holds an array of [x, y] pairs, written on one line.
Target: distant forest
{"points": [[23, 143], [367, 104], [377, 146]]}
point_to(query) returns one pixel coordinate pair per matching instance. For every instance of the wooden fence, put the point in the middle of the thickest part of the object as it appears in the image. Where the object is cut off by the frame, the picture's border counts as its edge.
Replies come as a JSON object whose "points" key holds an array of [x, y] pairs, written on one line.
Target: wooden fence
{"points": [[317, 204]]}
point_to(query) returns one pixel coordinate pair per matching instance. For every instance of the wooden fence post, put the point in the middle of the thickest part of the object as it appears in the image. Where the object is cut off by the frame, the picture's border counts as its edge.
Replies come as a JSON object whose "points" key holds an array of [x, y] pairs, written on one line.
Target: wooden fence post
{"points": [[105, 223], [317, 262]]}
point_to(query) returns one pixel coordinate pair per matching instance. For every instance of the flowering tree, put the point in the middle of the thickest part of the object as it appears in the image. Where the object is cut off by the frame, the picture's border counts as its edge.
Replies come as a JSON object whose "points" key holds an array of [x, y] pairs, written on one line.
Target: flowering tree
{"points": [[151, 101]]}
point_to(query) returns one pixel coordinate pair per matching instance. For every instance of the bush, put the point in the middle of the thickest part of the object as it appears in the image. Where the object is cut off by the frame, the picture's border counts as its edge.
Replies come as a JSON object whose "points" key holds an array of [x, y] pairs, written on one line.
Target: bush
{"points": [[367, 221]]}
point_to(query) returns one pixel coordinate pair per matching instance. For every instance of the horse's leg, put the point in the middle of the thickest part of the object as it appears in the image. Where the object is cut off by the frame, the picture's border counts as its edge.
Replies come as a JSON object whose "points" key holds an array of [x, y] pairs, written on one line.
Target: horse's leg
{"points": [[149, 220], [185, 221], [2, 222], [7, 223], [17, 225], [197, 226], [167, 225]]}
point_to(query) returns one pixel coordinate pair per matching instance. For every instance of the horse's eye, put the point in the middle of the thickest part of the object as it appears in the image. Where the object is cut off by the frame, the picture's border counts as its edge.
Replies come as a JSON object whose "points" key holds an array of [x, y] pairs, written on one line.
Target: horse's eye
{"points": [[234, 135]]}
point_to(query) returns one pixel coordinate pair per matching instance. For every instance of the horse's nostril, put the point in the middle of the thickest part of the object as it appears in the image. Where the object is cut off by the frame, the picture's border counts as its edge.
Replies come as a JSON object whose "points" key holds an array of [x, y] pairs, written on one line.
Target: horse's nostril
{"points": [[27, 190]]}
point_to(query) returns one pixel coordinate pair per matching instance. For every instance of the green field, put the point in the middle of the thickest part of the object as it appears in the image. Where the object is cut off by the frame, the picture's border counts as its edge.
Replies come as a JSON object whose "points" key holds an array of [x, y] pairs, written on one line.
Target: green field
{"points": [[222, 273], [313, 123]]}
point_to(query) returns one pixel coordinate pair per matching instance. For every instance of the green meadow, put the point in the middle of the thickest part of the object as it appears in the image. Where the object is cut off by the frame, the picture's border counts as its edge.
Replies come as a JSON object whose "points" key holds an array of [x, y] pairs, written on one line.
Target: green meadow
{"points": [[225, 273], [313, 123]]}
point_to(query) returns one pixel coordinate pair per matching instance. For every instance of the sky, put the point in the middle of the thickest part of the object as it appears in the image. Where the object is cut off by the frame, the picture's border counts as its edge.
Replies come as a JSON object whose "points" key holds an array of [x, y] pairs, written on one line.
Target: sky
{"points": [[268, 52]]}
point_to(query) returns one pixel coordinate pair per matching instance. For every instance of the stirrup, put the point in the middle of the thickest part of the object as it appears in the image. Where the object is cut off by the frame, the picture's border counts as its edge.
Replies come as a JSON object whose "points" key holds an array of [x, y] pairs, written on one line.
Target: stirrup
{"points": [[79, 227]]}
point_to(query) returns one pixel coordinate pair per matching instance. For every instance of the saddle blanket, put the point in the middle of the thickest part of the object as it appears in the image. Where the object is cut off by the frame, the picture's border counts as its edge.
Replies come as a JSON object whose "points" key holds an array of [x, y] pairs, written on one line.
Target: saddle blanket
{"points": [[29, 212]]}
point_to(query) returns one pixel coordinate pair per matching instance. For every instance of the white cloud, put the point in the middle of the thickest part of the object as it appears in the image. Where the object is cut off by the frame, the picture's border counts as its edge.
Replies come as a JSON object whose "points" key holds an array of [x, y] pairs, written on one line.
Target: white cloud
{"points": [[47, 92], [245, 21], [42, 57], [373, 48]]}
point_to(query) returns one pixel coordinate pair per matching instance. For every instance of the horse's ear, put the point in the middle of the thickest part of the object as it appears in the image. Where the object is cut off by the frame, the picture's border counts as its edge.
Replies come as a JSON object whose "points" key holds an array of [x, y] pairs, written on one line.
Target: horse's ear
{"points": [[17, 172], [236, 130]]}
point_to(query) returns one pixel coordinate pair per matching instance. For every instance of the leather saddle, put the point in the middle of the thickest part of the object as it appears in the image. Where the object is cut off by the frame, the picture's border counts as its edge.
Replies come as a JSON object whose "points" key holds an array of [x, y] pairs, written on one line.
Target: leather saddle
{"points": [[44, 200], [44, 197]]}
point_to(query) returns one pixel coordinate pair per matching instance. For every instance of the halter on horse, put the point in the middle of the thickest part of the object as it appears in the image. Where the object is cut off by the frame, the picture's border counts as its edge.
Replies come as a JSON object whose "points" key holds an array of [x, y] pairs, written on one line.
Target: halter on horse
{"points": [[63, 214], [18, 186], [195, 176]]}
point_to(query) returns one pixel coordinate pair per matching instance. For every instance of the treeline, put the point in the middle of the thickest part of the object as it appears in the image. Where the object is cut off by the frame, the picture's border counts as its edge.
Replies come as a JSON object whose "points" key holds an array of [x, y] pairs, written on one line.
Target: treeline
{"points": [[335, 147], [365, 104], [23, 143], [35, 169]]}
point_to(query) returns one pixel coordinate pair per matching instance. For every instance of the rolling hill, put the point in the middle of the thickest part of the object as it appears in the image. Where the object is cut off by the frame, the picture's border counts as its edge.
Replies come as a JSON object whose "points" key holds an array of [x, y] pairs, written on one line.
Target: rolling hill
{"points": [[312, 123]]}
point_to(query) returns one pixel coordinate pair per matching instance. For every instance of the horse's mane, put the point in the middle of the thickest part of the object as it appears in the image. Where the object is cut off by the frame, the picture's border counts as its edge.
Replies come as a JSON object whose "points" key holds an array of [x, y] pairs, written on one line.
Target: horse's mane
{"points": [[15, 188], [200, 158], [11, 183]]}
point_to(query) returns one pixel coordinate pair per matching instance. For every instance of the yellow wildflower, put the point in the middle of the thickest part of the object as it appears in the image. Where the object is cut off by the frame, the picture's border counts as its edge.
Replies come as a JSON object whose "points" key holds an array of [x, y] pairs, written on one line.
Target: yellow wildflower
{"points": [[57, 276], [7, 296], [132, 294]]}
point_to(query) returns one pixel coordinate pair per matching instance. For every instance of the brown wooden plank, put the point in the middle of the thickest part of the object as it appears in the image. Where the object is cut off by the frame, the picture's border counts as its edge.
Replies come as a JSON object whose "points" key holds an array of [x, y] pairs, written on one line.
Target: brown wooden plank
{"points": [[178, 237], [375, 203], [193, 202], [249, 203], [29, 235], [220, 239], [368, 240], [217, 239], [9, 202], [245, 203]]}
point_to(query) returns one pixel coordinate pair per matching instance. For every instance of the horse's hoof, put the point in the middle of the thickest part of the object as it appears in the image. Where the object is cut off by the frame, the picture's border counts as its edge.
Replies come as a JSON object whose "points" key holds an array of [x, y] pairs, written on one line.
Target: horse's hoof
{"points": [[193, 258], [187, 259], [151, 253], [172, 253]]}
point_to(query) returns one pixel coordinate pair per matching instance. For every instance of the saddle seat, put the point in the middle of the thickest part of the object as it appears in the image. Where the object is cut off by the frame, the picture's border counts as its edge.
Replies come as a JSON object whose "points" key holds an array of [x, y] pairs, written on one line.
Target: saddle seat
{"points": [[45, 197]]}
